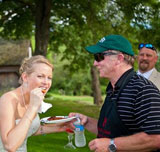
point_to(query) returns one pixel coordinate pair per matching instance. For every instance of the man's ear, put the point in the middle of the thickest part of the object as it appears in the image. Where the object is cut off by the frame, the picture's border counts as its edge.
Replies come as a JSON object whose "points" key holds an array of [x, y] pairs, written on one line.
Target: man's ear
{"points": [[120, 57], [156, 58]]}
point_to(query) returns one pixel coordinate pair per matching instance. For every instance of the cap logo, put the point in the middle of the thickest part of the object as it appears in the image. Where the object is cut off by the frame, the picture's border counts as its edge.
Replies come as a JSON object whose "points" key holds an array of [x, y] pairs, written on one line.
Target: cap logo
{"points": [[102, 40]]}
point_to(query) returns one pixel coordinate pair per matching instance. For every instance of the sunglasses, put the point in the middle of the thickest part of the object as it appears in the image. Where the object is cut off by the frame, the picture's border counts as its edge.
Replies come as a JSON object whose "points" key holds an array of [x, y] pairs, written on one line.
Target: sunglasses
{"points": [[149, 46], [100, 56]]}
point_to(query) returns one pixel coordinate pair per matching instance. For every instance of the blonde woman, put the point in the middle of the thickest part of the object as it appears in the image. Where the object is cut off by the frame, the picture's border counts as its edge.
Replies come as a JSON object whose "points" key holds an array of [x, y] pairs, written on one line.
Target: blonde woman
{"points": [[19, 117]]}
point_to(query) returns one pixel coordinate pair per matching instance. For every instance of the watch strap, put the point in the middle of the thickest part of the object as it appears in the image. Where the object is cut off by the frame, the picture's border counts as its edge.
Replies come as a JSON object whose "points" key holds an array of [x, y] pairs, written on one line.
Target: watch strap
{"points": [[112, 141], [112, 146]]}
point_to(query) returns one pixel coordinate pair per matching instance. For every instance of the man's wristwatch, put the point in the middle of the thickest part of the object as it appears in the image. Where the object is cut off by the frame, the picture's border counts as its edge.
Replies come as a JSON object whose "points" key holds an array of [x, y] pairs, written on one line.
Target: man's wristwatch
{"points": [[112, 146]]}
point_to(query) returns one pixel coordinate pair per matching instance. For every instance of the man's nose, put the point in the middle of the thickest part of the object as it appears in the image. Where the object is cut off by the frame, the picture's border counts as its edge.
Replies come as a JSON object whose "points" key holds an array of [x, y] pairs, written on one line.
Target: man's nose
{"points": [[144, 56]]}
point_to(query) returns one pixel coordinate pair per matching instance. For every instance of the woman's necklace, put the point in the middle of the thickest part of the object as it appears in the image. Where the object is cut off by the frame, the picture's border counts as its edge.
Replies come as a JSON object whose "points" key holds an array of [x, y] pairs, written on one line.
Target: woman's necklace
{"points": [[23, 99]]}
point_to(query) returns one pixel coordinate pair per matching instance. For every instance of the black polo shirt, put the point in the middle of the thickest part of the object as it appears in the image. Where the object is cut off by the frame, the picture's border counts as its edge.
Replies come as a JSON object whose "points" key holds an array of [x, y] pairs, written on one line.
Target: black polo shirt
{"points": [[138, 104]]}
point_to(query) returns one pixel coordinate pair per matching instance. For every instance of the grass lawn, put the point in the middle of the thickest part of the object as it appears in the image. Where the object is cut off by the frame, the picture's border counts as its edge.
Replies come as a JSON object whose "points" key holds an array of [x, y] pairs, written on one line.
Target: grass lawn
{"points": [[62, 105], [84, 99]]}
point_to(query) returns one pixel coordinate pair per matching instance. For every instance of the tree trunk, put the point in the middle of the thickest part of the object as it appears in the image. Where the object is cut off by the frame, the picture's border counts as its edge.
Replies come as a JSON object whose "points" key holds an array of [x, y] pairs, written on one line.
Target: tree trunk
{"points": [[43, 9], [96, 86]]}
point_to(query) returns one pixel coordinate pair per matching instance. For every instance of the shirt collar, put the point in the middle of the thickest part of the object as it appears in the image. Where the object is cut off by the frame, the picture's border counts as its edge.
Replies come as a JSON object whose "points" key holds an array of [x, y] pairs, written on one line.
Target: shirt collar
{"points": [[146, 74], [119, 82]]}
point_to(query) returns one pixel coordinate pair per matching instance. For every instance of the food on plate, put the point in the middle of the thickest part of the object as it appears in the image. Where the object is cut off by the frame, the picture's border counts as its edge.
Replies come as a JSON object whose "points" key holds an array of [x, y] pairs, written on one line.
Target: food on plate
{"points": [[55, 118]]}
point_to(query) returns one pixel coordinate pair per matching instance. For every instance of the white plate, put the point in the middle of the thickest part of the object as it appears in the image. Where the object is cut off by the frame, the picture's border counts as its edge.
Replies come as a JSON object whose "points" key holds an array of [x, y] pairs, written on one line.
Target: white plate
{"points": [[66, 119]]}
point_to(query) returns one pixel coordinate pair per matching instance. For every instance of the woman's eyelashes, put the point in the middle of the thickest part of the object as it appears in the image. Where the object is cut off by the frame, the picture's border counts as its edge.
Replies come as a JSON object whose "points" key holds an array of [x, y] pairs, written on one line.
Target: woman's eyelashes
{"points": [[50, 78], [44, 77]]}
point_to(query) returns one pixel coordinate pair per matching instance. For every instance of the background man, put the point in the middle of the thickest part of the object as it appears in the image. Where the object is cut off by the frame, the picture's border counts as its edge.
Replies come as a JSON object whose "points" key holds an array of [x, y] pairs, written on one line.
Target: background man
{"points": [[147, 59], [130, 116]]}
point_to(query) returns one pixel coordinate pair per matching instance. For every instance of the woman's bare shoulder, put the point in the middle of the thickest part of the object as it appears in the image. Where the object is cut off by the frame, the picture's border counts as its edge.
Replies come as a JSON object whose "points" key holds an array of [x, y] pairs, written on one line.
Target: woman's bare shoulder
{"points": [[9, 98]]}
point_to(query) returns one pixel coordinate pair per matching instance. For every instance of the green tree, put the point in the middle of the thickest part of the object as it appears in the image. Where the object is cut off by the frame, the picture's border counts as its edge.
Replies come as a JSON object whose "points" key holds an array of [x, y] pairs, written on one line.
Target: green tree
{"points": [[76, 24], [22, 18], [143, 18]]}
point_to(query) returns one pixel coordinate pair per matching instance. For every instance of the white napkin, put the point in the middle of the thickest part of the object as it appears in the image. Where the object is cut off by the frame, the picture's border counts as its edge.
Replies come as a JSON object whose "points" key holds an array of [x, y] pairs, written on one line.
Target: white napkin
{"points": [[44, 107]]}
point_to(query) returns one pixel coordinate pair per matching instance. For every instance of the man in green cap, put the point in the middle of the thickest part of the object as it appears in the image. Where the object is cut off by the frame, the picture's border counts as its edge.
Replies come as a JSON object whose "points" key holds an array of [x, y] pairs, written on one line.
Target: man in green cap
{"points": [[129, 119]]}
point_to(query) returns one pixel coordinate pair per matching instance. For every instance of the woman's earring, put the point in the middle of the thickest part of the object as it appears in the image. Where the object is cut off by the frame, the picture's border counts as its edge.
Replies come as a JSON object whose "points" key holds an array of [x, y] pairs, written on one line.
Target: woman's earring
{"points": [[25, 84]]}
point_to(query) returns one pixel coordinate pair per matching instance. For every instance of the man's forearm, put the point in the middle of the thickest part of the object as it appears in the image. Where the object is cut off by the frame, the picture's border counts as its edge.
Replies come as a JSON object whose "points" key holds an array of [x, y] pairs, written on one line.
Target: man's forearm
{"points": [[138, 142], [91, 125]]}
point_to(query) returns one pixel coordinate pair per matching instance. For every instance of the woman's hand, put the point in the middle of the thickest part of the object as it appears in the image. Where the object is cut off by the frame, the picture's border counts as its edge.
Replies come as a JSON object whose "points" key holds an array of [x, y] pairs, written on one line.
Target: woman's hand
{"points": [[64, 126], [36, 98]]}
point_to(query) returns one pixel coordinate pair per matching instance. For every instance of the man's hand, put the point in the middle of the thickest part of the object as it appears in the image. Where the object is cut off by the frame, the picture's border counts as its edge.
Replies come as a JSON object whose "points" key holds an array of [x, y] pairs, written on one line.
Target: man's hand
{"points": [[99, 144], [82, 117]]}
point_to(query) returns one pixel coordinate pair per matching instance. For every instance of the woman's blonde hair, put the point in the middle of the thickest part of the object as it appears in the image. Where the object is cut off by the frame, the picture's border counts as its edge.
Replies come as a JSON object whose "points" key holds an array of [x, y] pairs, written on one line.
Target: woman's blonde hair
{"points": [[27, 64]]}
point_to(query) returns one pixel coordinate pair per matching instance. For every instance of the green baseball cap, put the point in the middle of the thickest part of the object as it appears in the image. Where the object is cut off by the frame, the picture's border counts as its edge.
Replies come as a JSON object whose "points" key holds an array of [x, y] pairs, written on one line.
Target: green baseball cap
{"points": [[111, 42]]}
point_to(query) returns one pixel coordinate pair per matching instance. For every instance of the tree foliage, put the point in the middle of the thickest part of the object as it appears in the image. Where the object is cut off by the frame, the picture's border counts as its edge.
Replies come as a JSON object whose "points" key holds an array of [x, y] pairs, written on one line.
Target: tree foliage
{"points": [[74, 25], [16, 19]]}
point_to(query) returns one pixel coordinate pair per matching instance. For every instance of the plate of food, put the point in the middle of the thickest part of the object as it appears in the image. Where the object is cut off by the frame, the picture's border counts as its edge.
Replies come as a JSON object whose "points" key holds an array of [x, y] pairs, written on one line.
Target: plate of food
{"points": [[57, 119]]}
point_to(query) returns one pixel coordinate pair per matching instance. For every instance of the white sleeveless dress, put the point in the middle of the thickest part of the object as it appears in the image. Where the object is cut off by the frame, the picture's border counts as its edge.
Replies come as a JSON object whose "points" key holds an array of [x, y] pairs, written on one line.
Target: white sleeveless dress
{"points": [[33, 128]]}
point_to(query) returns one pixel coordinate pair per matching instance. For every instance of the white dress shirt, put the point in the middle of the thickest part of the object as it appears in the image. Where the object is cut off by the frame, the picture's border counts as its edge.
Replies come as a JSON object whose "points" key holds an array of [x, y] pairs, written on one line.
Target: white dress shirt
{"points": [[146, 74]]}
